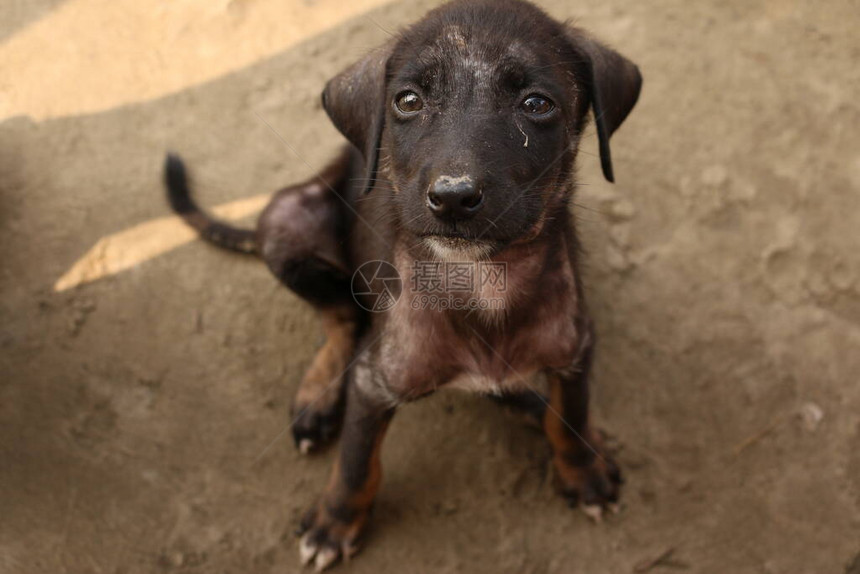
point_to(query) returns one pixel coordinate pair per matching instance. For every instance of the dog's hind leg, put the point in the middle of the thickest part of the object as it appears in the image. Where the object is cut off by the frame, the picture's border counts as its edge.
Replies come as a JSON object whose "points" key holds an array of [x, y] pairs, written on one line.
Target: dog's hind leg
{"points": [[302, 232], [301, 235], [317, 410]]}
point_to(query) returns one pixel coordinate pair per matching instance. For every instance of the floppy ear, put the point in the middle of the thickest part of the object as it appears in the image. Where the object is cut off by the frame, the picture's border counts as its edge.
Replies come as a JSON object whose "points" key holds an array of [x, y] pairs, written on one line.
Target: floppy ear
{"points": [[614, 86], [355, 102]]}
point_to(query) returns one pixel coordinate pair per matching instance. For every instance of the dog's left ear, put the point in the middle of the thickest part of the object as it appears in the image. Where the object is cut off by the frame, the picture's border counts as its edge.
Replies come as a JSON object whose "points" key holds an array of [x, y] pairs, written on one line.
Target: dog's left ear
{"points": [[355, 102], [614, 86]]}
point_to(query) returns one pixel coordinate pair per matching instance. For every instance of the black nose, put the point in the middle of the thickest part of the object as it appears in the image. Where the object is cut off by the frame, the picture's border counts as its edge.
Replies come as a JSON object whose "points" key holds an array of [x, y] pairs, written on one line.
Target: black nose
{"points": [[455, 197]]}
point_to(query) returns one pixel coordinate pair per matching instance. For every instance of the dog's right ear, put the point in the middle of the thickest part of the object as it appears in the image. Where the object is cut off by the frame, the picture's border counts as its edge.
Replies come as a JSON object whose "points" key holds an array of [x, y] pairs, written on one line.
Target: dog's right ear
{"points": [[355, 102]]}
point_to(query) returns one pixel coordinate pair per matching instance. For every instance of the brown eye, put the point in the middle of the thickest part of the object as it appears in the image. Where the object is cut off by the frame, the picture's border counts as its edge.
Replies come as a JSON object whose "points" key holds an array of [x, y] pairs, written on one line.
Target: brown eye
{"points": [[408, 103], [537, 105]]}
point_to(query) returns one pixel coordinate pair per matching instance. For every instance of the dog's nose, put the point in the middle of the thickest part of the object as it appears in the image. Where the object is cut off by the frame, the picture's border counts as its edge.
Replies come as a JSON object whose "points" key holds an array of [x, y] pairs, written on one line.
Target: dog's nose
{"points": [[455, 197]]}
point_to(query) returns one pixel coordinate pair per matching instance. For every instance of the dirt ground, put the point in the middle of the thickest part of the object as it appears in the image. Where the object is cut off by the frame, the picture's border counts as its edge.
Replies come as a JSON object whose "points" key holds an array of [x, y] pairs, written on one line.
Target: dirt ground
{"points": [[143, 416]]}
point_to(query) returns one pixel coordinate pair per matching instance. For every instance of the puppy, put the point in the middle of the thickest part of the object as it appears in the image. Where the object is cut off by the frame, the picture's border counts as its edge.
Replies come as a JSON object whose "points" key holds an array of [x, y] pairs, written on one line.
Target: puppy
{"points": [[463, 133]]}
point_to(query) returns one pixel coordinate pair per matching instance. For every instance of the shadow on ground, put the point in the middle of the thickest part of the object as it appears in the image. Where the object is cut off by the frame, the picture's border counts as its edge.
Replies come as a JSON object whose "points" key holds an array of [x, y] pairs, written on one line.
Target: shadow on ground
{"points": [[722, 270]]}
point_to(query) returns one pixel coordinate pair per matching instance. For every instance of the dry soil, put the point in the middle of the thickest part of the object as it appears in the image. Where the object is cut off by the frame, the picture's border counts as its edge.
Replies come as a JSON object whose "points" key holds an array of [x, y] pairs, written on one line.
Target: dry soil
{"points": [[143, 416]]}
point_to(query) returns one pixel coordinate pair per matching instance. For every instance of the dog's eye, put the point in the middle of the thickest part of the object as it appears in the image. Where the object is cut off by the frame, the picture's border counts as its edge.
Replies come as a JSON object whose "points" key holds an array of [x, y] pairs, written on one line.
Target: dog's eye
{"points": [[408, 103], [537, 105]]}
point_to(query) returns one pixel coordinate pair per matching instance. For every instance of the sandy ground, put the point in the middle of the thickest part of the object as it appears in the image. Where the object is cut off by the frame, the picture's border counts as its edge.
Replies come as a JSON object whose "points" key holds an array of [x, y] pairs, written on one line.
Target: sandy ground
{"points": [[143, 416]]}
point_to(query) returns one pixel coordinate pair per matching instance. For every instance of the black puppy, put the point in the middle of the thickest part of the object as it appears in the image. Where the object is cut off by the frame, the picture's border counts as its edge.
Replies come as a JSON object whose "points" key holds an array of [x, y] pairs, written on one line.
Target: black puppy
{"points": [[464, 131]]}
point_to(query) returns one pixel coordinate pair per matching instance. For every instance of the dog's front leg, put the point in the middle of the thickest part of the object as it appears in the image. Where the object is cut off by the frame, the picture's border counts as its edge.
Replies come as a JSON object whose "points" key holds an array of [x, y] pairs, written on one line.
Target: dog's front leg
{"points": [[332, 527], [585, 472]]}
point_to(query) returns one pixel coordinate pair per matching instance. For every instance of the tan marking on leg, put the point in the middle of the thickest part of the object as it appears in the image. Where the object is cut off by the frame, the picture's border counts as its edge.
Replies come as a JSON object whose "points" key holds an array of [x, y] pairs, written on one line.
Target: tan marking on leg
{"points": [[584, 471], [320, 384], [560, 437]]}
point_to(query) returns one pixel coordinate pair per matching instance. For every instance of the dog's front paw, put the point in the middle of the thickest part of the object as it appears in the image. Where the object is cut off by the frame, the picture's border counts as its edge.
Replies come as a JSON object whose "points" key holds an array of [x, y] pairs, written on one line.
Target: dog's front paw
{"points": [[589, 479], [329, 533], [316, 423]]}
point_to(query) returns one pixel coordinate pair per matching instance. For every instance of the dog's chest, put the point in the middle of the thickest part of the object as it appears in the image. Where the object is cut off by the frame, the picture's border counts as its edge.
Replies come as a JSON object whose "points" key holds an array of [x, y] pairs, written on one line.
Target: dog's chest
{"points": [[486, 350], [425, 353]]}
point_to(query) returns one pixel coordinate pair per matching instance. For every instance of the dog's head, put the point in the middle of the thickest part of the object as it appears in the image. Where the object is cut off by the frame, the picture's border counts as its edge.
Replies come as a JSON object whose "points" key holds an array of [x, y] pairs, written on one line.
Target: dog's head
{"points": [[474, 117]]}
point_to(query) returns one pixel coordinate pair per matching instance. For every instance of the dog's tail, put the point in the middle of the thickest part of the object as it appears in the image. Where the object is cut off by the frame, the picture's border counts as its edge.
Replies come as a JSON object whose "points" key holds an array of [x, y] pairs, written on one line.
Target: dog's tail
{"points": [[210, 229]]}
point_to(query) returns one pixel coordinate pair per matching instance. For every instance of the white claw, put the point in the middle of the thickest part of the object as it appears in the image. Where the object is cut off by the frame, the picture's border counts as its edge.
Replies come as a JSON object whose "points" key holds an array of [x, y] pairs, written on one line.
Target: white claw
{"points": [[305, 445], [593, 511], [614, 508], [325, 558], [307, 549]]}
